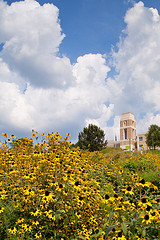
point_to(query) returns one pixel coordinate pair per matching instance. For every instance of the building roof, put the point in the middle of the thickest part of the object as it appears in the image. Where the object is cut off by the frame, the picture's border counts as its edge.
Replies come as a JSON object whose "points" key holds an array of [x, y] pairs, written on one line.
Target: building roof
{"points": [[127, 115]]}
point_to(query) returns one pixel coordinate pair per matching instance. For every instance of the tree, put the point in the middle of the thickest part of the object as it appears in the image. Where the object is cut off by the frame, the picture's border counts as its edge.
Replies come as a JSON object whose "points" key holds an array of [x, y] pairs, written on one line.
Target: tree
{"points": [[153, 136], [92, 138]]}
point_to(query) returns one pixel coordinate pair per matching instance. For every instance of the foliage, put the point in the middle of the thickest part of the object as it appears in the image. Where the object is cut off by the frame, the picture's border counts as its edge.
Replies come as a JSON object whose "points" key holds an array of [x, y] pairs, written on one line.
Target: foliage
{"points": [[92, 138], [111, 149], [153, 136], [52, 191]]}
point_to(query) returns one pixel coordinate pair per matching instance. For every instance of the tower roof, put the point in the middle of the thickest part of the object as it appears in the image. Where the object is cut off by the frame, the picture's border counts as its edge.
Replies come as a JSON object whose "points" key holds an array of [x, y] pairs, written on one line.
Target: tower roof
{"points": [[127, 115]]}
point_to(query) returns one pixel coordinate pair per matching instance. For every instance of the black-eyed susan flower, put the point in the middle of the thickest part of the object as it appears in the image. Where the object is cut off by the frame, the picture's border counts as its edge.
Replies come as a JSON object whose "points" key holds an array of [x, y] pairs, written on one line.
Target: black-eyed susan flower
{"points": [[128, 190], [36, 213], [35, 223], [50, 215], [146, 218], [38, 235], [4, 135], [144, 202], [120, 236], [12, 230], [148, 208]]}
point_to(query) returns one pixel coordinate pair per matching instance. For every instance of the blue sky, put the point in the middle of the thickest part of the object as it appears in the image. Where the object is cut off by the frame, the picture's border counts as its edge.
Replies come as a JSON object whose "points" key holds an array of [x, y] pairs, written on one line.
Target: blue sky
{"points": [[69, 63], [92, 26]]}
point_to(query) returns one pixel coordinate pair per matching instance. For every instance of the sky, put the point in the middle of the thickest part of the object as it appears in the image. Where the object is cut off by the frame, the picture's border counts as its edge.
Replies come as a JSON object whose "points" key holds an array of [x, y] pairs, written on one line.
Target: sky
{"points": [[65, 64]]}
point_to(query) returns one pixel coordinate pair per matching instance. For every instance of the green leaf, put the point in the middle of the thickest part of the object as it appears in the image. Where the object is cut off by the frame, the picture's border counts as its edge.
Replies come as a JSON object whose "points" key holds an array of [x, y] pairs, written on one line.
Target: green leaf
{"points": [[105, 225], [108, 230], [81, 237], [124, 228], [97, 235], [111, 215], [143, 233]]}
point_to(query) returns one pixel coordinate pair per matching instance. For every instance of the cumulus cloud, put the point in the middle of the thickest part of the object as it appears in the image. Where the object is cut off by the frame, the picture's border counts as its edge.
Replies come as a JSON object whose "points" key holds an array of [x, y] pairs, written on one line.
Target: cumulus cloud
{"points": [[41, 90], [31, 35], [70, 107], [147, 120], [137, 62]]}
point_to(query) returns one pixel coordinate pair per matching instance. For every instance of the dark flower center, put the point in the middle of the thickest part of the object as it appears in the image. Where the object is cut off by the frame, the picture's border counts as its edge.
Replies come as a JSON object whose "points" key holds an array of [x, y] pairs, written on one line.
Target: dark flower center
{"points": [[146, 217], [144, 200], [148, 208], [76, 183], [129, 188], [120, 234], [142, 181], [46, 193], [106, 196]]}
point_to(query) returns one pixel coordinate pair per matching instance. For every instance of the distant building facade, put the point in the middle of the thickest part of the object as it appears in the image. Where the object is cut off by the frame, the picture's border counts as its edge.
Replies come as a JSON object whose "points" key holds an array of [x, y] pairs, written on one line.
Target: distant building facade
{"points": [[128, 138], [141, 142], [128, 131], [113, 143]]}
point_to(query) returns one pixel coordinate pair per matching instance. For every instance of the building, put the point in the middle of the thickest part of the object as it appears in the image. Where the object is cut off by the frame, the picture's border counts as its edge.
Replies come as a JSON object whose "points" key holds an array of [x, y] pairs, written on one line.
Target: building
{"points": [[128, 139], [113, 143], [141, 142], [127, 131]]}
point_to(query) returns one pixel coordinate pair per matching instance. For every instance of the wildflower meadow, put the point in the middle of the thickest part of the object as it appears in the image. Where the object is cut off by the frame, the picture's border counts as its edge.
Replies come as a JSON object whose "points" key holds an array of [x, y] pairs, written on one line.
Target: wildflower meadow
{"points": [[51, 190]]}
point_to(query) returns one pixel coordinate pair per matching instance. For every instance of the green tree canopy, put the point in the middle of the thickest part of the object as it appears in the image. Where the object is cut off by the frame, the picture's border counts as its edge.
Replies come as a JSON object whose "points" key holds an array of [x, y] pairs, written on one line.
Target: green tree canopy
{"points": [[92, 138], [153, 136]]}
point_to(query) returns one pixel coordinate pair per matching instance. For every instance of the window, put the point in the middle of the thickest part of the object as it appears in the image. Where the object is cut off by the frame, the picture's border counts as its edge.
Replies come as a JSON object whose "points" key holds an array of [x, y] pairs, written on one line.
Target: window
{"points": [[125, 134], [140, 138]]}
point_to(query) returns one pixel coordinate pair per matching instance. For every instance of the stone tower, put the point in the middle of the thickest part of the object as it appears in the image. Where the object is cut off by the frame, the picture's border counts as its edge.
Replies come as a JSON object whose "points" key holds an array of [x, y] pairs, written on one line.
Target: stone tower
{"points": [[127, 131]]}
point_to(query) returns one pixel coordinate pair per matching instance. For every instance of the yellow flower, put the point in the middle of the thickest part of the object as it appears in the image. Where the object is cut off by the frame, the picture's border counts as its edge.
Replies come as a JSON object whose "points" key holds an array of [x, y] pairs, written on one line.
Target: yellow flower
{"points": [[1, 209], [68, 135], [12, 230], [146, 218], [128, 190], [20, 220], [38, 212], [35, 223], [38, 235], [144, 202], [26, 227], [49, 215], [4, 135]]}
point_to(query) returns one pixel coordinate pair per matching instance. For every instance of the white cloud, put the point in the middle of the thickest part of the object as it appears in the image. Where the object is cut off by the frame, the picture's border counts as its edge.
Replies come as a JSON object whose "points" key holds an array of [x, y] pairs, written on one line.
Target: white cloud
{"points": [[32, 35], [105, 114], [147, 120], [56, 109], [41, 90], [138, 62], [15, 111], [59, 108]]}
